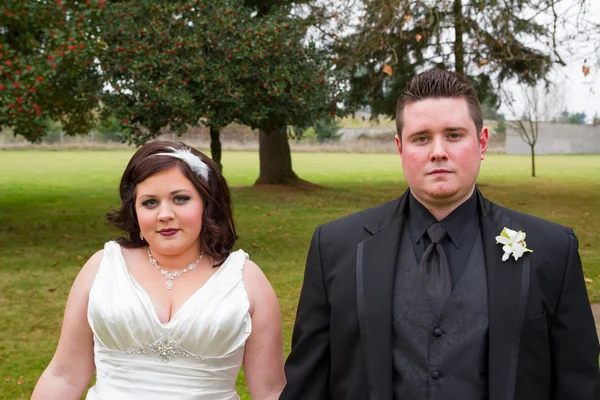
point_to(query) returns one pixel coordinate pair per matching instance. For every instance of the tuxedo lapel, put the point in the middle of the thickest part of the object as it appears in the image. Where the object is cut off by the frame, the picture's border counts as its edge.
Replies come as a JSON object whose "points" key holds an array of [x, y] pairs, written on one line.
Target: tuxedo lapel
{"points": [[508, 289], [376, 262]]}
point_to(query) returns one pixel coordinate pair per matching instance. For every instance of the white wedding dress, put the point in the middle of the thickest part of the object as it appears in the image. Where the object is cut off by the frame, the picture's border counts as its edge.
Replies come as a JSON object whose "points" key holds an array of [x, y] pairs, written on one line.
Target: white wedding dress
{"points": [[195, 356]]}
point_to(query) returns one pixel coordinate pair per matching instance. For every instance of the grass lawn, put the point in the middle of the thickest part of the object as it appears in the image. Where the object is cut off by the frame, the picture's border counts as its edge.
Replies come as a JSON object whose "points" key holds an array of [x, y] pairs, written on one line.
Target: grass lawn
{"points": [[52, 206]]}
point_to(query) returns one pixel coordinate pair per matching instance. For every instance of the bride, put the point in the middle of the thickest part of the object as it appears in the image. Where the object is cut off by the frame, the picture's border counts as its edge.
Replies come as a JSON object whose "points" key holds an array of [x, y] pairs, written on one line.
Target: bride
{"points": [[168, 311]]}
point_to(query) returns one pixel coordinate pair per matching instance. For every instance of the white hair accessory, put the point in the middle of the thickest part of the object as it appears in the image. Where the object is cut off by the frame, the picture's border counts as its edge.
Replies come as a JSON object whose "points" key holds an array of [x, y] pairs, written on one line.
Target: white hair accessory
{"points": [[192, 160]]}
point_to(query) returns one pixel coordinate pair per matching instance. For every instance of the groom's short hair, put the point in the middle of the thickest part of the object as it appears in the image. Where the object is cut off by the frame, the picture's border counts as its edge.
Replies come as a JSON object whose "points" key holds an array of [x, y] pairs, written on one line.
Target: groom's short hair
{"points": [[438, 83]]}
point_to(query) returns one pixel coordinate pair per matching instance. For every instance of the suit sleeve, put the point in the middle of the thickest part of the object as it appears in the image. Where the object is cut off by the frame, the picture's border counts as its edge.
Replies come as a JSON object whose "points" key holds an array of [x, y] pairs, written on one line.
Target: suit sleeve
{"points": [[307, 367], [573, 337]]}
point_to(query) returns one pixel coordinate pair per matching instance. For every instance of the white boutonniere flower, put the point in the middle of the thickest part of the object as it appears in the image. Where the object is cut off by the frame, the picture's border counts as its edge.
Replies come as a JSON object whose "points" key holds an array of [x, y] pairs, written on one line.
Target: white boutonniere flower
{"points": [[513, 243]]}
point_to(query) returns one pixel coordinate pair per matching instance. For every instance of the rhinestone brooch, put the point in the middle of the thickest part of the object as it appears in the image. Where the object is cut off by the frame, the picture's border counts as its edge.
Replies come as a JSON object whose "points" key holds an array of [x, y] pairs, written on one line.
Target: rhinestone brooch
{"points": [[165, 349]]}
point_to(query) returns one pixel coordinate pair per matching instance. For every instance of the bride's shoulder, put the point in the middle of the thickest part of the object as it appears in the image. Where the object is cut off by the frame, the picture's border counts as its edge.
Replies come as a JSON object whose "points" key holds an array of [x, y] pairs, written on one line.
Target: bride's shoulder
{"points": [[259, 290], [93, 263], [249, 268], [114, 251], [85, 278]]}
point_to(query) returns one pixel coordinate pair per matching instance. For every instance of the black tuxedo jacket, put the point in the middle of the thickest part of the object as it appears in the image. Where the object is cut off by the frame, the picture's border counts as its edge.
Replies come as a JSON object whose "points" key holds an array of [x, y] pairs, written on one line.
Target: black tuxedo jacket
{"points": [[543, 342]]}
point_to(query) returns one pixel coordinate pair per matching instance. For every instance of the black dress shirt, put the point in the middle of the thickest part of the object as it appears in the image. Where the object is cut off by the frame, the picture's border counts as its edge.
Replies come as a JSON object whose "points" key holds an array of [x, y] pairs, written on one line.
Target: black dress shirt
{"points": [[462, 226]]}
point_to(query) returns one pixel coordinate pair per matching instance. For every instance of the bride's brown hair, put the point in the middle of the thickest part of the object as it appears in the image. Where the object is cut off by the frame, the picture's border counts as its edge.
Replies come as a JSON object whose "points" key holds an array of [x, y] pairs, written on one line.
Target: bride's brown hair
{"points": [[217, 236]]}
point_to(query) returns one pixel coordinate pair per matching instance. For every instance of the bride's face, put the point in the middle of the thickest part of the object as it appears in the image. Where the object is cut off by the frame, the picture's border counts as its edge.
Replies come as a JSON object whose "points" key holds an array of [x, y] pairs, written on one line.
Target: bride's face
{"points": [[169, 211]]}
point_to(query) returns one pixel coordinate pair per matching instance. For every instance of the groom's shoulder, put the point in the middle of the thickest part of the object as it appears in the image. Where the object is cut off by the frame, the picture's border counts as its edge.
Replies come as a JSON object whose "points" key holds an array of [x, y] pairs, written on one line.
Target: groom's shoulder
{"points": [[551, 242], [354, 222], [531, 223]]}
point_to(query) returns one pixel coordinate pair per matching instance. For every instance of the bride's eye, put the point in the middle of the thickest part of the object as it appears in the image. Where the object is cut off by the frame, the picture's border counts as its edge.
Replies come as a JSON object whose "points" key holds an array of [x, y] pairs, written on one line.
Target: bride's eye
{"points": [[149, 203], [181, 199]]}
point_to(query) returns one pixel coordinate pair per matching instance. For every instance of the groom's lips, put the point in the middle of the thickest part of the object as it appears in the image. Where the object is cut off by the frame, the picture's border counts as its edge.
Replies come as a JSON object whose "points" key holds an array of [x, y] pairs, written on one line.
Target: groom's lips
{"points": [[439, 171]]}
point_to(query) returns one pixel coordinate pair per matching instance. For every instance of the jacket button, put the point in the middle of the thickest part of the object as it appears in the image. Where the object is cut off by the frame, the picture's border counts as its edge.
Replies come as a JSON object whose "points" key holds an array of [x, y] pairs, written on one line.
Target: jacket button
{"points": [[435, 375], [437, 332]]}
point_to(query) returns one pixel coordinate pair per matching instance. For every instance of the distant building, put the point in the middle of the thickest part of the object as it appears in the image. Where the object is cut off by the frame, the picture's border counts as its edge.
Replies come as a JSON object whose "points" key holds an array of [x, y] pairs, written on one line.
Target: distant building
{"points": [[554, 138]]}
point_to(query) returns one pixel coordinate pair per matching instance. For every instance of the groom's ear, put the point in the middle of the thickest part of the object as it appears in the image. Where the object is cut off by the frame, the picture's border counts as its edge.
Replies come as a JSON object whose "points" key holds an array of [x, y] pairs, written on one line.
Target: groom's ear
{"points": [[483, 141], [398, 144]]}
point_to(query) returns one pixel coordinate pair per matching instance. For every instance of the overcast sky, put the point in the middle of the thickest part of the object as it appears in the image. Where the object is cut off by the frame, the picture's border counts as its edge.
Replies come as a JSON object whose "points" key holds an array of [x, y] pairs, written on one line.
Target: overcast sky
{"points": [[579, 92], [576, 92]]}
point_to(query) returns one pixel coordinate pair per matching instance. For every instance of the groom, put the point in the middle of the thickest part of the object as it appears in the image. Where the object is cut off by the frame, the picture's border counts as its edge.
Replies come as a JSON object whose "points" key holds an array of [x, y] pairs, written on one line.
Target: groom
{"points": [[415, 299]]}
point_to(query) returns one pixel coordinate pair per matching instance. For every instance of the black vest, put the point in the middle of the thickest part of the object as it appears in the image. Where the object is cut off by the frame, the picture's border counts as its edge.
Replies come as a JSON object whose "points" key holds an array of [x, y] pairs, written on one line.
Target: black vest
{"points": [[440, 356]]}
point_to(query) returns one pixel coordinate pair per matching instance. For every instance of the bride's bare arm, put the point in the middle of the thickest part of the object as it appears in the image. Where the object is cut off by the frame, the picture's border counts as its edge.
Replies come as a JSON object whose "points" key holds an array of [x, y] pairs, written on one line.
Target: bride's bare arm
{"points": [[70, 371], [263, 357]]}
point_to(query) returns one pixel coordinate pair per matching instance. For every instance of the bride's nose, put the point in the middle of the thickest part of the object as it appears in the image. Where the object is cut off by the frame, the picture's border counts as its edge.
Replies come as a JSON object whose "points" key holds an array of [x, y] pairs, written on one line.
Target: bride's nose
{"points": [[165, 213]]}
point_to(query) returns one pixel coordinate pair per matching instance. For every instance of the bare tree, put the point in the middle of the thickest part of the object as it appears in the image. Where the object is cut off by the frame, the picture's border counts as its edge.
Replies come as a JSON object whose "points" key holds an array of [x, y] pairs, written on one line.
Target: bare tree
{"points": [[537, 104]]}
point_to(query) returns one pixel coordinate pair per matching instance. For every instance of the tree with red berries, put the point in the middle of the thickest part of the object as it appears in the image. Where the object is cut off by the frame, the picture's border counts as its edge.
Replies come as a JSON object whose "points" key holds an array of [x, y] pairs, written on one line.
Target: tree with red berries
{"points": [[210, 62], [176, 64], [47, 65]]}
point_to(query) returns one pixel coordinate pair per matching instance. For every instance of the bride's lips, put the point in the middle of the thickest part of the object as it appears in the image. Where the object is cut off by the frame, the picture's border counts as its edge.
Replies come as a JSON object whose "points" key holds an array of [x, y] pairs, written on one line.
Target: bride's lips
{"points": [[168, 232]]}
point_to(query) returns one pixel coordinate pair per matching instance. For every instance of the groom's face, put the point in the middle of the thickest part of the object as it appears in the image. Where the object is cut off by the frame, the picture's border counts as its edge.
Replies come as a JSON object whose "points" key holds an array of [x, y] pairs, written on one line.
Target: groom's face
{"points": [[441, 151]]}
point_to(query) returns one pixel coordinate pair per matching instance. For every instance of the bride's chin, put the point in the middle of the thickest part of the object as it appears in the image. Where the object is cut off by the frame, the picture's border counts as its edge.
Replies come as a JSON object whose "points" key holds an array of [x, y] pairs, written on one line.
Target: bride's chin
{"points": [[173, 248], [166, 249]]}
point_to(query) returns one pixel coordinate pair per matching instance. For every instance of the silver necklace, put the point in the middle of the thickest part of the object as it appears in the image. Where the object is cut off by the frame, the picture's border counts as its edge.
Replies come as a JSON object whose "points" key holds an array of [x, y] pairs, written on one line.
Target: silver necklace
{"points": [[169, 276]]}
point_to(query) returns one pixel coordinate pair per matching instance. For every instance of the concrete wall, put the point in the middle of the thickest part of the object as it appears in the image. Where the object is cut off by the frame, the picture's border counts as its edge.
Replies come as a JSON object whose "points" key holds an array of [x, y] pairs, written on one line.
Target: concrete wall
{"points": [[557, 139], [356, 133]]}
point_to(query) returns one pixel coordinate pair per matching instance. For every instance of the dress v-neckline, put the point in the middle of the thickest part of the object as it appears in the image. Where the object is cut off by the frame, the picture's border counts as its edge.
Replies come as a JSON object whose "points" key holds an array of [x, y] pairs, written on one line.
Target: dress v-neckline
{"points": [[139, 287]]}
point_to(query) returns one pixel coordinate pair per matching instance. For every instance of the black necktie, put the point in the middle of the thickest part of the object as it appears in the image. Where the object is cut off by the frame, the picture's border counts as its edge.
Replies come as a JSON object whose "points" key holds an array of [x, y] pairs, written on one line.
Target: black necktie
{"points": [[435, 269]]}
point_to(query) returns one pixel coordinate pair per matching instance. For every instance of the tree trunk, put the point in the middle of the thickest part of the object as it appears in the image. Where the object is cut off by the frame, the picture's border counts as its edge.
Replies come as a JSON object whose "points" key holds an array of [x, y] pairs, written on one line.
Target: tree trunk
{"points": [[275, 157], [459, 49], [532, 161], [215, 147]]}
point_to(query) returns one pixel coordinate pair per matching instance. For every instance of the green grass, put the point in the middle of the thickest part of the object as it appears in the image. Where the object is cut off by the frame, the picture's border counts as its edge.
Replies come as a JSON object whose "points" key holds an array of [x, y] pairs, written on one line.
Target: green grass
{"points": [[381, 122], [52, 206]]}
